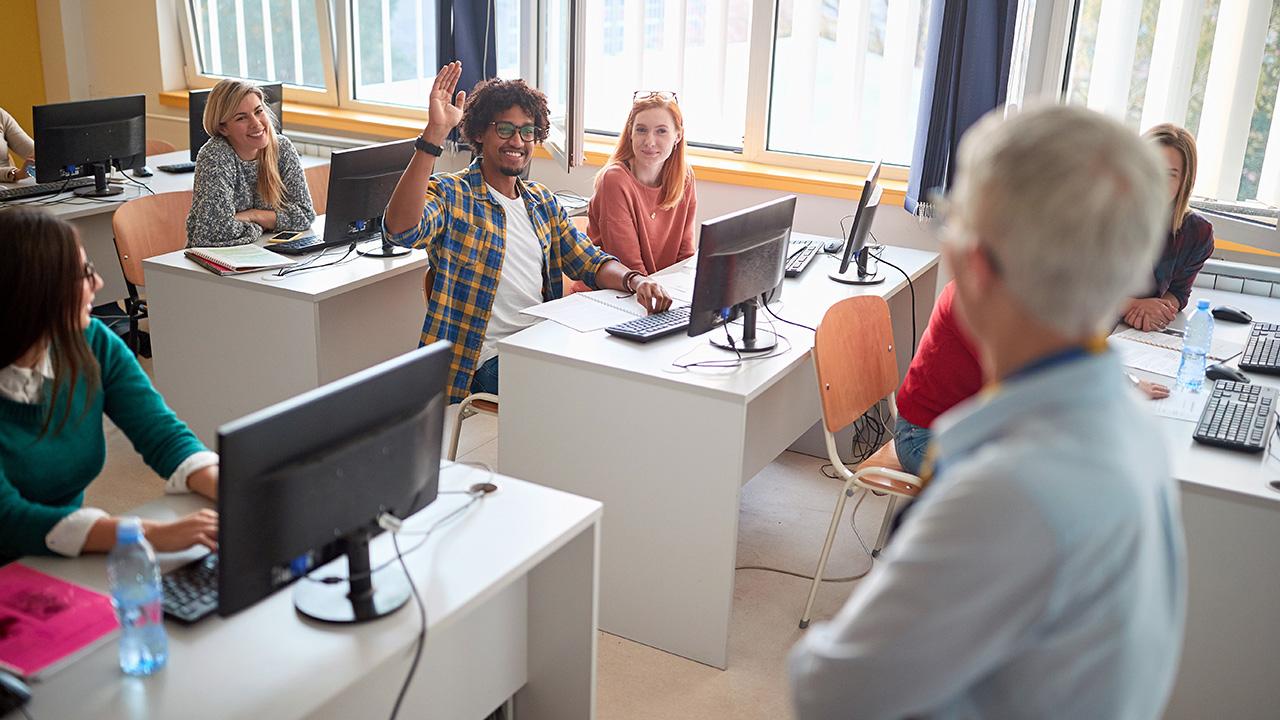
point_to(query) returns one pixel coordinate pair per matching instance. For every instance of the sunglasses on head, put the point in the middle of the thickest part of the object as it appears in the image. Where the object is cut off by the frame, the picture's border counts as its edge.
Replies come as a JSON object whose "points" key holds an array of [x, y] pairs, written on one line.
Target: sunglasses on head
{"points": [[660, 94]]}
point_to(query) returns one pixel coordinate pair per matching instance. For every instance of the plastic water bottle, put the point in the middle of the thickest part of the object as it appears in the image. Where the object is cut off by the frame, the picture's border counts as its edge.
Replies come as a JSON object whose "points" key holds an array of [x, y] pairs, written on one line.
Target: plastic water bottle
{"points": [[136, 594], [1195, 346]]}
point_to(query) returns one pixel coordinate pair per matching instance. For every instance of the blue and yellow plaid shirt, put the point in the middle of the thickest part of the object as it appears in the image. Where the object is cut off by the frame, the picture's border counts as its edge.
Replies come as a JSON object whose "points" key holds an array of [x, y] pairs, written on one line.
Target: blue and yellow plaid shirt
{"points": [[463, 230]]}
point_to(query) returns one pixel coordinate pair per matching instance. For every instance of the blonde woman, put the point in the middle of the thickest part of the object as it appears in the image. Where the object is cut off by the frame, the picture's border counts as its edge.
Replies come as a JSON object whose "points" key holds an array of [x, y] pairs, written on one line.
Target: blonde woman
{"points": [[248, 179], [1190, 239], [644, 204]]}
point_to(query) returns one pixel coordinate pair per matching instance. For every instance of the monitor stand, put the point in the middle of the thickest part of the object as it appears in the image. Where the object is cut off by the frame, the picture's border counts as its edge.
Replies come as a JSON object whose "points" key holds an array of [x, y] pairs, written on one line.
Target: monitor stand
{"points": [[856, 273], [387, 250], [746, 340], [100, 186], [352, 601]]}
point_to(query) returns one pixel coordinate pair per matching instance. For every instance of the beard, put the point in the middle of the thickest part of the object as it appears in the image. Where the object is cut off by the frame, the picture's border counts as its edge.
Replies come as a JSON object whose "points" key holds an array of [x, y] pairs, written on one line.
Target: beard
{"points": [[513, 172]]}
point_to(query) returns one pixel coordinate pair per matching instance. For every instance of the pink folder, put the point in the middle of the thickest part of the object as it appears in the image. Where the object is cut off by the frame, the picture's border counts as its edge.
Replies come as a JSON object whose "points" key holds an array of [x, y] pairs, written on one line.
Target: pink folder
{"points": [[45, 623]]}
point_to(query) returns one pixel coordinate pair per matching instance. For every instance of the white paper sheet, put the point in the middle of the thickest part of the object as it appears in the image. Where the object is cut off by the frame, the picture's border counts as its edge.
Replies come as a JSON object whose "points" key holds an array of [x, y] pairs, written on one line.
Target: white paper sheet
{"points": [[1182, 405], [586, 312], [1146, 357], [1171, 339]]}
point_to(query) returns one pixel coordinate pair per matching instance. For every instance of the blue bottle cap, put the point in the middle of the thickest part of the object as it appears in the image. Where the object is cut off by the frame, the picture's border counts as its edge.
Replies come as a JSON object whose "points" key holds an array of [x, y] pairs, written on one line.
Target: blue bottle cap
{"points": [[1202, 305], [128, 530]]}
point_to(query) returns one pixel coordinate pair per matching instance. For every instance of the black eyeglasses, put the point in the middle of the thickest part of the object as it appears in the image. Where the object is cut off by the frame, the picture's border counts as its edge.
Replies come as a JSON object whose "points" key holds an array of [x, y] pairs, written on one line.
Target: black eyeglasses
{"points": [[660, 94], [89, 270], [505, 130]]}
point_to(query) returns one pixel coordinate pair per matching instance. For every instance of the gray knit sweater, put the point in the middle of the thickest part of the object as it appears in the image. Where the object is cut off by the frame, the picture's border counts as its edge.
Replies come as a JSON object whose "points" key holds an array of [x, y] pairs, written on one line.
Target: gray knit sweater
{"points": [[226, 185]]}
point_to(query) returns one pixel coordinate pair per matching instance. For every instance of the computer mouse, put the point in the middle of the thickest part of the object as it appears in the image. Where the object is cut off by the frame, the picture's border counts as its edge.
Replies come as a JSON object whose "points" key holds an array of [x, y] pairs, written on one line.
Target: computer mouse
{"points": [[13, 692], [1225, 372], [1232, 314], [143, 171], [833, 246]]}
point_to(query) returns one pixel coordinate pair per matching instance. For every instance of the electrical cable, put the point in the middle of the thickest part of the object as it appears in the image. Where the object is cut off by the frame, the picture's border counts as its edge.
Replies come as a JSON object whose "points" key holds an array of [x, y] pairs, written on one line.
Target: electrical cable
{"points": [[422, 629], [853, 515], [910, 286], [779, 319]]}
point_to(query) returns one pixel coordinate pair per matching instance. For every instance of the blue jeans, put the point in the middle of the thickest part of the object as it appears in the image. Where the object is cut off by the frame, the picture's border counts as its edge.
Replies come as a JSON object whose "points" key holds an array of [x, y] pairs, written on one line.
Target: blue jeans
{"points": [[485, 378], [910, 440]]}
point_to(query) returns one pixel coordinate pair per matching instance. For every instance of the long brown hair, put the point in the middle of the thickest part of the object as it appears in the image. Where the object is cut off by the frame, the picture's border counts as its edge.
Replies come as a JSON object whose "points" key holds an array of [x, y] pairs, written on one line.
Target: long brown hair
{"points": [[42, 292], [1178, 138], [224, 103], [675, 171]]}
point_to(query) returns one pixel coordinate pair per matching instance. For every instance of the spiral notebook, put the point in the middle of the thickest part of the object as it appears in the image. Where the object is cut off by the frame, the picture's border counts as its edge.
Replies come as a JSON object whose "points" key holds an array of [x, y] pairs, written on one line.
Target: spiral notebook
{"points": [[588, 311], [1171, 339], [236, 259]]}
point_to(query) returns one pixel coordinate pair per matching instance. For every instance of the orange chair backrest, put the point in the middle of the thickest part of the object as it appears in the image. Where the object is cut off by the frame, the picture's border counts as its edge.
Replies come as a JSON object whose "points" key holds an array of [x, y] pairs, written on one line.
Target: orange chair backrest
{"points": [[855, 359], [318, 184], [148, 226]]}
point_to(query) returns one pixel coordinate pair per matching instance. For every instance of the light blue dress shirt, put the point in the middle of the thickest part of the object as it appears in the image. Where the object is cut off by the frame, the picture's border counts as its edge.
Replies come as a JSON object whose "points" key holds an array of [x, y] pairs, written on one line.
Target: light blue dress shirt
{"points": [[1041, 574]]}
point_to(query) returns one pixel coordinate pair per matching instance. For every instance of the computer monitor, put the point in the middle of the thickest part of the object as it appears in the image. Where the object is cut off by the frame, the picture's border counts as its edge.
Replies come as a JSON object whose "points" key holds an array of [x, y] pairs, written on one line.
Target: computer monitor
{"points": [[305, 480], [740, 258], [198, 99], [361, 181], [855, 248], [90, 137]]}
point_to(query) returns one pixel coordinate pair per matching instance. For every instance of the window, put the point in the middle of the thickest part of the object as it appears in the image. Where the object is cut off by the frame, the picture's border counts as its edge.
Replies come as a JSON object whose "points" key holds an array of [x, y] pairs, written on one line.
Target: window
{"points": [[267, 40], [846, 79], [1211, 66], [394, 48], [706, 67]]}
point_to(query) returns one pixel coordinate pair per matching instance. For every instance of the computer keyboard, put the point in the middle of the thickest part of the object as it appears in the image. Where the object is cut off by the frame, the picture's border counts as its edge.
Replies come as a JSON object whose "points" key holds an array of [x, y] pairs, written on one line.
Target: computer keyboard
{"points": [[182, 167], [1262, 352], [651, 327], [799, 254], [1238, 416], [191, 591], [21, 192], [300, 246]]}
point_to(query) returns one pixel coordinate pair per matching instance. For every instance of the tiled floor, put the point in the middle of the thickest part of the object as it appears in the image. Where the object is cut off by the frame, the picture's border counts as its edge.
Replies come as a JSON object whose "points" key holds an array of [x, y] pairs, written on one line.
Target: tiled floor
{"points": [[784, 514]]}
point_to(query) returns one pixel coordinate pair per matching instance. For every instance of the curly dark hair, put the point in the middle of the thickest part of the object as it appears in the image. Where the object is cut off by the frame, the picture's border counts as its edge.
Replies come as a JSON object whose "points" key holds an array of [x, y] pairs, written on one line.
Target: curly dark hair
{"points": [[493, 97]]}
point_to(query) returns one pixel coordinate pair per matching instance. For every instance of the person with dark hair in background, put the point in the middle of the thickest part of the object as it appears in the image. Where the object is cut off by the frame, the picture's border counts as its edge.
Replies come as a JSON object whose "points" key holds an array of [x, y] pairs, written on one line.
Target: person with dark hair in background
{"points": [[60, 372], [497, 244]]}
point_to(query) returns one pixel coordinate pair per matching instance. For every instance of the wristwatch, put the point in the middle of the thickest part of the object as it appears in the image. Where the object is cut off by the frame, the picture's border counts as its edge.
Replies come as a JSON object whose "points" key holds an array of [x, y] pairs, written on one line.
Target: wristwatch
{"points": [[428, 148]]}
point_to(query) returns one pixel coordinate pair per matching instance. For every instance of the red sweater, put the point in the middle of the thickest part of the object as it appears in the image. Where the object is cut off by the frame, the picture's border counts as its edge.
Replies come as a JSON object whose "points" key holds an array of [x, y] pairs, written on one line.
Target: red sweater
{"points": [[945, 370], [625, 221]]}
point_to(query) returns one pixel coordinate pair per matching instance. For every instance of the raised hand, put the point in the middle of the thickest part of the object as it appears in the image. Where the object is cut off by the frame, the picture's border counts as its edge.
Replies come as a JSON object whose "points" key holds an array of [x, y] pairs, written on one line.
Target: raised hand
{"points": [[444, 107]]}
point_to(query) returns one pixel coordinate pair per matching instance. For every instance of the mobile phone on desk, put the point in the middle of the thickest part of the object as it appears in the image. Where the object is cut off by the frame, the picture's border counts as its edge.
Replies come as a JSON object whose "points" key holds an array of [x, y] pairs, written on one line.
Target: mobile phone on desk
{"points": [[287, 235]]}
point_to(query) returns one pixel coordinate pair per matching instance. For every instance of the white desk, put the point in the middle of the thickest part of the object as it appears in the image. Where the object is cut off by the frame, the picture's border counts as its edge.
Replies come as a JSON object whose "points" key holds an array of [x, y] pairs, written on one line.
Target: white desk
{"points": [[667, 451], [1232, 521], [92, 218], [223, 347], [510, 595]]}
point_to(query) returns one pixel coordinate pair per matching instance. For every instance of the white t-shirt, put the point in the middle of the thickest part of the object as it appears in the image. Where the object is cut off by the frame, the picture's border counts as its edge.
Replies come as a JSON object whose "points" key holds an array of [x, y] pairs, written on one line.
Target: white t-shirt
{"points": [[520, 284]]}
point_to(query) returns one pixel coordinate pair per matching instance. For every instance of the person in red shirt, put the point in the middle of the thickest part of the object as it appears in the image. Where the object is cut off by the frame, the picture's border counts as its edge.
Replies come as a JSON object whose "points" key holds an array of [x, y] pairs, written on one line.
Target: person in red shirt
{"points": [[945, 372], [644, 204]]}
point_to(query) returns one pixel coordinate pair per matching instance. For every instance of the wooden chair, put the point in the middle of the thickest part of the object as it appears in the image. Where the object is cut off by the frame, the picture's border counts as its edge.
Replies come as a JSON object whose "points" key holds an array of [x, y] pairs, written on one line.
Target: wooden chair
{"points": [[159, 147], [471, 405], [144, 227], [318, 184], [857, 367]]}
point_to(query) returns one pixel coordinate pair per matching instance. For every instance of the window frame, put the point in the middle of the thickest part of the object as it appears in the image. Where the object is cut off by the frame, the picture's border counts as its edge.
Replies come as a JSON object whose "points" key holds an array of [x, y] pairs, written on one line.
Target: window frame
{"points": [[292, 93]]}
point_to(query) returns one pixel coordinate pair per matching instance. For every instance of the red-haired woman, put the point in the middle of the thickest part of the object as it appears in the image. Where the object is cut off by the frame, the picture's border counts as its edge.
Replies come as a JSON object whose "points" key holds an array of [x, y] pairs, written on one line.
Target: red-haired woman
{"points": [[644, 204]]}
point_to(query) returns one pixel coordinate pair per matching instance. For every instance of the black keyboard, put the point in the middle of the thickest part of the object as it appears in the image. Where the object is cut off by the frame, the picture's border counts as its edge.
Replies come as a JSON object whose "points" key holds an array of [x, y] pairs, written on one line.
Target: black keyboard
{"points": [[1238, 416], [182, 167], [652, 327], [22, 192], [1262, 353], [799, 254], [191, 591], [312, 243]]}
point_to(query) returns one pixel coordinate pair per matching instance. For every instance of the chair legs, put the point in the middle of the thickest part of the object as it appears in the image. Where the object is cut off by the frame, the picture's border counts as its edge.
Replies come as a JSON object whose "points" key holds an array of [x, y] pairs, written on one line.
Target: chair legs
{"points": [[884, 526], [826, 551], [470, 405]]}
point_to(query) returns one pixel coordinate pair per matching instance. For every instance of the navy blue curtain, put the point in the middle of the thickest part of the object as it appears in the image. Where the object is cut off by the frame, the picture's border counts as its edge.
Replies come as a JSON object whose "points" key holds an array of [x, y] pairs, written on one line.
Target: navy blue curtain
{"points": [[464, 31], [966, 75]]}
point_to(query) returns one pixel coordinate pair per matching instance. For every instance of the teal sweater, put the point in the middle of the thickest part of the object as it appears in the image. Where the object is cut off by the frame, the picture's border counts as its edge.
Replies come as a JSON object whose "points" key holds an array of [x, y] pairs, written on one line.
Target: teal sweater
{"points": [[42, 479]]}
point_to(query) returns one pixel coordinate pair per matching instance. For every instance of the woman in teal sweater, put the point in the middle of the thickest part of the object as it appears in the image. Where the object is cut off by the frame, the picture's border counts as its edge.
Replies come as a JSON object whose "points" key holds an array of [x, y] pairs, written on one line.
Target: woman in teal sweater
{"points": [[60, 372]]}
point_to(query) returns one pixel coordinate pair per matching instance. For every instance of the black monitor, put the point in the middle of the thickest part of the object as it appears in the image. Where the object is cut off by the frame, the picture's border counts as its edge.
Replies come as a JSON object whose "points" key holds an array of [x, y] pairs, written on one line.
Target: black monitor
{"points": [[305, 480], [361, 181], [740, 258], [198, 99], [855, 248], [90, 137]]}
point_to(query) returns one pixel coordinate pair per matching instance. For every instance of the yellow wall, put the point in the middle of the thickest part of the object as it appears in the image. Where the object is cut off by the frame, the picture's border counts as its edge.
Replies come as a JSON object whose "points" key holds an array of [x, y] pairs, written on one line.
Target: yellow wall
{"points": [[22, 72]]}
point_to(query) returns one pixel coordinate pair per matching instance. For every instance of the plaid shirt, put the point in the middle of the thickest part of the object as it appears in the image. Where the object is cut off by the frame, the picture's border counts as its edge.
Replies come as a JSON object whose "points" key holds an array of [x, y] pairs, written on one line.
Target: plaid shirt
{"points": [[1184, 254], [463, 232]]}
